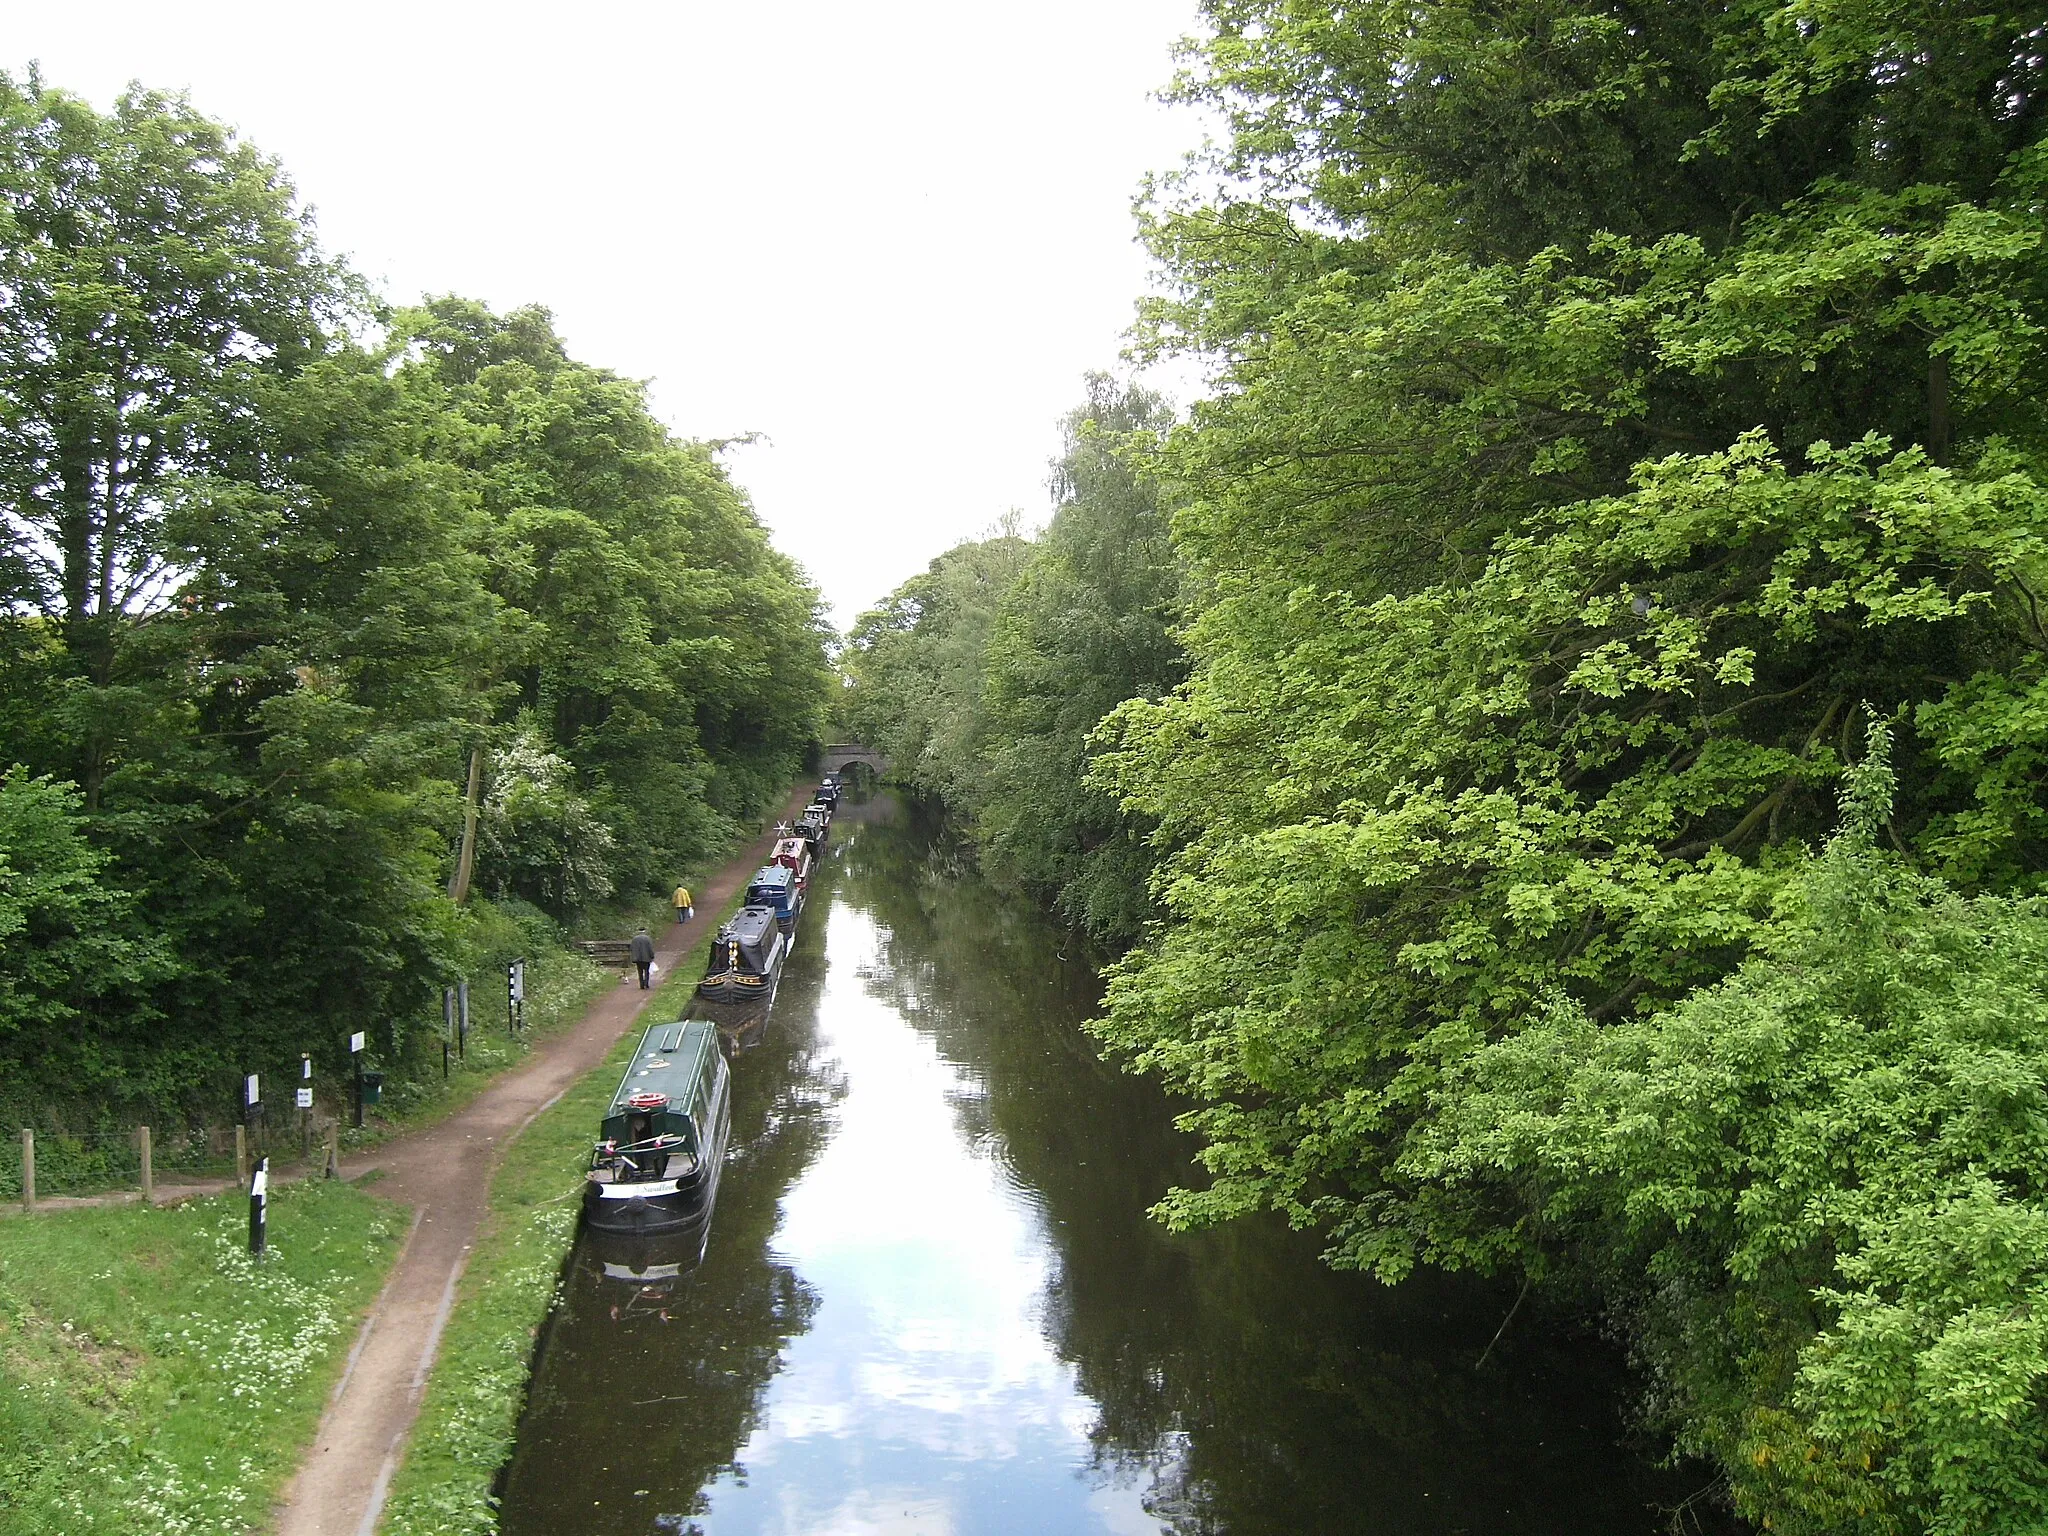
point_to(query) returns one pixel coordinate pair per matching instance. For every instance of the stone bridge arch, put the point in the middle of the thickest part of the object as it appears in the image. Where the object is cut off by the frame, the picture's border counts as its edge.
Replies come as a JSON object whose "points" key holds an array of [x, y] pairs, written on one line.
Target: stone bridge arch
{"points": [[842, 755]]}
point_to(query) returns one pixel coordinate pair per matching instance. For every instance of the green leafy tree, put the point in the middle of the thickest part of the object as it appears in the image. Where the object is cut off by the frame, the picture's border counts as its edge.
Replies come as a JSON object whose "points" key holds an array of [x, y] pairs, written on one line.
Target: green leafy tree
{"points": [[1608, 404], [71, 950], [672, 654], [1818, 1186], [157, 276], [914, 668], [1088, 624], [267, 587], [541, 840]]}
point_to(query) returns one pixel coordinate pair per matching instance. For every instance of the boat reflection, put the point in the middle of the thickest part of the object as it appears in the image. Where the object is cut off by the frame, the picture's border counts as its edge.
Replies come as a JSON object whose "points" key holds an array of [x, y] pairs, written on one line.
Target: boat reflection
{"points": [[741, 1026], [643, 1274]]}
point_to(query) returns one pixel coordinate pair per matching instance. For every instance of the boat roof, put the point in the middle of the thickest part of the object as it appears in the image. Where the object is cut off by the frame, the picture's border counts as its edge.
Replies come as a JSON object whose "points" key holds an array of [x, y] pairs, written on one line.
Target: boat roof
{"points": [[670, 1060], [749, 924], [772, 874], [794, 847]]}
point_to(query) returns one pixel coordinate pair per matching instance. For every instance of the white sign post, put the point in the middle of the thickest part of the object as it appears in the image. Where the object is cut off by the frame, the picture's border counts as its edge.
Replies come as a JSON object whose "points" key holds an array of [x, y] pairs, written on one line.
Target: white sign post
{"points": [[259, 1204]]}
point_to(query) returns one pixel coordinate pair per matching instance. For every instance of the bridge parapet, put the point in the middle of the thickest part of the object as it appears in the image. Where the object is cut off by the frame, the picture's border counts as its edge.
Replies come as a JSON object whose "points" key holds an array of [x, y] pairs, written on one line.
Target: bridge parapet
{"points": [[842, 755]]}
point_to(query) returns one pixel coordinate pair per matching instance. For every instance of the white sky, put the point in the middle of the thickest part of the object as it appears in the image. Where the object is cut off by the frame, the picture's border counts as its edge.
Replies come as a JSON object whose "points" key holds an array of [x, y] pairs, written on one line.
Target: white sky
{"points": [[890, 236]]}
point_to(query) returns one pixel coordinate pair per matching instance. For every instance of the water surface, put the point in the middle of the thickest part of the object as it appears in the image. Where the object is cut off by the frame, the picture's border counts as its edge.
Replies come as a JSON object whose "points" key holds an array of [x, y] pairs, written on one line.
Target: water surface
{"points": [[931, 1300]]}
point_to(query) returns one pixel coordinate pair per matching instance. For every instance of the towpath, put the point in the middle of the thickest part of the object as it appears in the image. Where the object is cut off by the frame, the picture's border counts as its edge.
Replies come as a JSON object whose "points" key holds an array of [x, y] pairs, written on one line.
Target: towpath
{"points": [[444, 1173]]}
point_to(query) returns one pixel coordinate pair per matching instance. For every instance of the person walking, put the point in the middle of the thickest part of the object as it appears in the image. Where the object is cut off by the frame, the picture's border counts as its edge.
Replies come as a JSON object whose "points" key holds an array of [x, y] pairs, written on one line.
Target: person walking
{"points": [[643, 956], [684, 910]]}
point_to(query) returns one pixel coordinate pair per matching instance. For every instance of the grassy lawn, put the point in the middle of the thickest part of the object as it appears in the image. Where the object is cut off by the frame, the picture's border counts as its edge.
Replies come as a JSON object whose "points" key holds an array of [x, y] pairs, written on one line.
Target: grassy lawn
{"points": [[471, 1412], [154, 1378]]}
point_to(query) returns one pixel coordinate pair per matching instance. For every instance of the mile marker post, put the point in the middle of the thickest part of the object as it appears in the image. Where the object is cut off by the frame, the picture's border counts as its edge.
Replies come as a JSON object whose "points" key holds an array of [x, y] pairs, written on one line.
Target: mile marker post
{"points": [[252, 1105], [304, 1098], [259, 1204], [355, 1056]]}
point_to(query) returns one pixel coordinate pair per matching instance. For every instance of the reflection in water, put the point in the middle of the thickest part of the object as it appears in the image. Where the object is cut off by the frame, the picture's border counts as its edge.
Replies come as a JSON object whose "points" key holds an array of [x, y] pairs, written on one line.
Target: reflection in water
{"points": [[932, 1300], [652, 1366]]}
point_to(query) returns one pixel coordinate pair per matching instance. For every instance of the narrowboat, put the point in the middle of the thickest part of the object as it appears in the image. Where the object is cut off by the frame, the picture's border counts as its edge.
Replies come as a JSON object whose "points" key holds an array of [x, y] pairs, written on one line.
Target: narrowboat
{"points": [[746, 958], [794, 853], [655, 1167], [776, 886], [820, 811], [828, 792], [812, 830]]}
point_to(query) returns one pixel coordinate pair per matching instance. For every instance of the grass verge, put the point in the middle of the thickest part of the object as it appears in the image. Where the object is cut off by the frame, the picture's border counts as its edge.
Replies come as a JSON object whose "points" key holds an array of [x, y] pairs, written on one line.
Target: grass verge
{"points": [[153, 1377], [470, 1414]]}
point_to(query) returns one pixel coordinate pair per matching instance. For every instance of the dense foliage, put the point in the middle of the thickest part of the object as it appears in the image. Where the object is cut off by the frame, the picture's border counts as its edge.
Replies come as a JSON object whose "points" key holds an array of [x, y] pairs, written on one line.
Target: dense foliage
{"points": [[1613, 407], [1614, 411], [983, 678], [278, 566]]}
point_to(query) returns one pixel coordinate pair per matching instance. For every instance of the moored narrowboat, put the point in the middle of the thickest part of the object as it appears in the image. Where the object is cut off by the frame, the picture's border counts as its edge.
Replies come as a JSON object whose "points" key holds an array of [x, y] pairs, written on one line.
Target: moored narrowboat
{"points": [[812, 830], [828, 792], [776, 886], [746, 958], [655, 1167], [795, 853]]}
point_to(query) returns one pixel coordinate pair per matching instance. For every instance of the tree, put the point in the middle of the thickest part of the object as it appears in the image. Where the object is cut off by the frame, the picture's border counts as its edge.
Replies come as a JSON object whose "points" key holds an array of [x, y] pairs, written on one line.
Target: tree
{"points": [[1609, 405], [70, 946], [668, 650], [1816, 1186], [1088, 624], [156, 274], [915, 665]]}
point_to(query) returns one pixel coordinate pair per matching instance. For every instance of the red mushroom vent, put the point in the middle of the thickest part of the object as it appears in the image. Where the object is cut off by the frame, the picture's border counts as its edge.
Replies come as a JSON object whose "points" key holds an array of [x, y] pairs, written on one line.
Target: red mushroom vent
{"points": [[647, 1101]]}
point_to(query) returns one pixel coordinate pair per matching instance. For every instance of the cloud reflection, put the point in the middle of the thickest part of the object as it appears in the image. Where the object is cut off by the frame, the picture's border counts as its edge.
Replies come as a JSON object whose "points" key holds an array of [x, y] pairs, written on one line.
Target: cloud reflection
{"points": [[926, 1370]]}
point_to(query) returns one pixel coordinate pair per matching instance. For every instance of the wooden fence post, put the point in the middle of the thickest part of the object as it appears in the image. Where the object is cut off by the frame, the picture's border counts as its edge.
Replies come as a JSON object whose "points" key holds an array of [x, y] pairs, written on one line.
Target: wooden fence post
{"points": [[334, 1149], [28, 1169], [241, 1154], [148, 1167]]}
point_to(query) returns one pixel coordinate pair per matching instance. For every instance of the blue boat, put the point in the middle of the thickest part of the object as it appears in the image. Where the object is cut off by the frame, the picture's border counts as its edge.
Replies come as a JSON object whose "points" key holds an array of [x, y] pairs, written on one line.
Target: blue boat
{"points": [[779, 887]]}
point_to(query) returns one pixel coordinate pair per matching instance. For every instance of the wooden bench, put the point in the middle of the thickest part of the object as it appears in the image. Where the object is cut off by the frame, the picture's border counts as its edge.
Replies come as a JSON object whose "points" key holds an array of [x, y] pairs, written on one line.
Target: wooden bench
{"points": [[617, 953]]}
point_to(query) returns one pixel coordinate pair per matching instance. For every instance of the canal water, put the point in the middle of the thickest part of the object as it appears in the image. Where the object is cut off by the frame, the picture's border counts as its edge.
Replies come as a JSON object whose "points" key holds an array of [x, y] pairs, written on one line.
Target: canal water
{"points": [[931, 1300]]}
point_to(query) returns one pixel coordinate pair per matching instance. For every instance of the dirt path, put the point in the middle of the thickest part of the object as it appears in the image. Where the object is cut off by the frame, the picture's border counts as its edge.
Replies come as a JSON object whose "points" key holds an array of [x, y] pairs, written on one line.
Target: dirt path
{"points": [[444, 1173]]}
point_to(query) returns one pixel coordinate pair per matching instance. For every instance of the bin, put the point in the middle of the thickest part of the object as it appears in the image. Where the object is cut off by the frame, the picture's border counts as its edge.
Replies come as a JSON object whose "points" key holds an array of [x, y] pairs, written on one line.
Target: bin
{"points": [[373, 1088]]}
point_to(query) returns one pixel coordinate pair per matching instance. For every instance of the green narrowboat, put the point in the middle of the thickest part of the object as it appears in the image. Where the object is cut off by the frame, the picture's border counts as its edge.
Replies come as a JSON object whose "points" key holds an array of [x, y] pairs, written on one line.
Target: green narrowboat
{"points": [[655, 1167]]}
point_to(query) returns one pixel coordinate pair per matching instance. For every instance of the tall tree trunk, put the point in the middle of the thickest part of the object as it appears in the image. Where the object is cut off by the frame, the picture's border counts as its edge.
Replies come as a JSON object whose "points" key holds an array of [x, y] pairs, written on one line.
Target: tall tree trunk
{"points": [[458, 887]]}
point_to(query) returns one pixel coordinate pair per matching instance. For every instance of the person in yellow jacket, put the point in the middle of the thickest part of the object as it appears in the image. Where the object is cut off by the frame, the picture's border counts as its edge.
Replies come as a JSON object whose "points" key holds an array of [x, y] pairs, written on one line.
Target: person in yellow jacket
{"points": [[684, 910]]}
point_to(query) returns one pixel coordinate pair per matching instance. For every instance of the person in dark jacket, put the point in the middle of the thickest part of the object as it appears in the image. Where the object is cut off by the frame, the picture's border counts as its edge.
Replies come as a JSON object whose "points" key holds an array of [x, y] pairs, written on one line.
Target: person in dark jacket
{"points": [[643, 956]]}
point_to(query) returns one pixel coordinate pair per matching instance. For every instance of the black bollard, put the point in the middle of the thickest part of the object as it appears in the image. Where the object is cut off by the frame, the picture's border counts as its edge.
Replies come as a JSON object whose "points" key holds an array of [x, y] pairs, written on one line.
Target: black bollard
{"points": [[259, 1203]]}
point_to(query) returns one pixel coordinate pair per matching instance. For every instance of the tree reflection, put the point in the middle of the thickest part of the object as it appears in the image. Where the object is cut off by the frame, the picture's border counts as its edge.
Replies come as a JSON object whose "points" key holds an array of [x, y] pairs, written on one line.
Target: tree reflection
{"points": [[1246, 1385]]}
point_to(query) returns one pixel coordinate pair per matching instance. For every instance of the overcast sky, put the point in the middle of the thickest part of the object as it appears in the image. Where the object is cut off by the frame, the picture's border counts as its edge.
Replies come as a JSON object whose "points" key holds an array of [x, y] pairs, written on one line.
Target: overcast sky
{"points": [[891, 237]]}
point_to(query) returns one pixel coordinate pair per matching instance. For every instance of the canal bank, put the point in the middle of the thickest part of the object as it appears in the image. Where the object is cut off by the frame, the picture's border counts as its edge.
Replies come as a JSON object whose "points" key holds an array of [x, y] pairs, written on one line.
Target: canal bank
{"points": [[445, 1176], [932, 1298]]}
